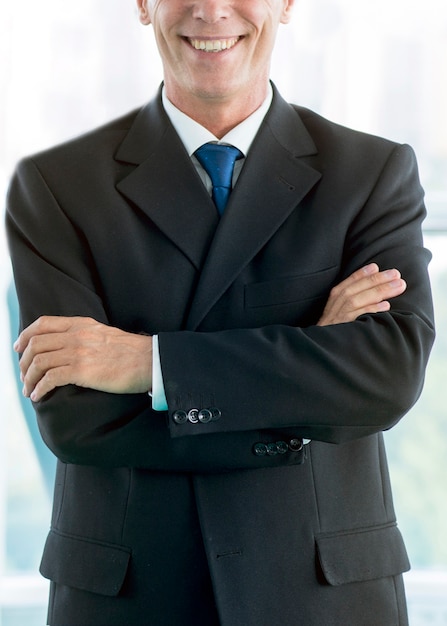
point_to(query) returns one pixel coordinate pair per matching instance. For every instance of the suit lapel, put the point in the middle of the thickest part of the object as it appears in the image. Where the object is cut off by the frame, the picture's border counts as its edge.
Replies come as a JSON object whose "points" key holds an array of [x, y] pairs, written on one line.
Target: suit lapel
{"points": [[165, 185], [274, 180]]}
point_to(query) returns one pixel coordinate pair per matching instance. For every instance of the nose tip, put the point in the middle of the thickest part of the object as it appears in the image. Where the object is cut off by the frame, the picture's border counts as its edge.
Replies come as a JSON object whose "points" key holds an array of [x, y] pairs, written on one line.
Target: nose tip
{"points": [[211, 11]]}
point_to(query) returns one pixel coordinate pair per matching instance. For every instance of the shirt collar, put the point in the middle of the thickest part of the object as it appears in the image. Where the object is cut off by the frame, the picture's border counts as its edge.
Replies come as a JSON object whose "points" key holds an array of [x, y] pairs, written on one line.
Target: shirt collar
{"points": [[193, 135]]}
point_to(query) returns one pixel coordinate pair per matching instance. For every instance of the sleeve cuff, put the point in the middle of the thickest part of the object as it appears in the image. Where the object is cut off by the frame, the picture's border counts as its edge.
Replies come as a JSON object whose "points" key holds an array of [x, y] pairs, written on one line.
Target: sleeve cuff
{"points": [[159, 402]]}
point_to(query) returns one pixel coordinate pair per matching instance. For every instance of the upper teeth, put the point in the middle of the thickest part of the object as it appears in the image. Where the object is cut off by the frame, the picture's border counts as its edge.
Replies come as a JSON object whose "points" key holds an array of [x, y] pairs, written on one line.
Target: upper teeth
{"points": [[213, 46]]}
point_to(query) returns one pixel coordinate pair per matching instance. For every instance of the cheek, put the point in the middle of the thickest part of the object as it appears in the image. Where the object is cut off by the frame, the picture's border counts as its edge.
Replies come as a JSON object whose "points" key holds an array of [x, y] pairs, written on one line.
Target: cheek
{"points": [[263, 47]]}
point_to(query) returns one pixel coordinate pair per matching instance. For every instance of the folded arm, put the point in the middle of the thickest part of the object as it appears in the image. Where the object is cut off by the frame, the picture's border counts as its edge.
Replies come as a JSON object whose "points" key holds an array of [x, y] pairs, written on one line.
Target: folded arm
{"points": [[91, 410], [58, 351]]}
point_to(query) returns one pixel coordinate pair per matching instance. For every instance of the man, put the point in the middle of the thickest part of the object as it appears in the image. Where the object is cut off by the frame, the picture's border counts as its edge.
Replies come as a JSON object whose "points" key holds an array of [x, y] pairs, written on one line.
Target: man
{"points": [[278, 340]]}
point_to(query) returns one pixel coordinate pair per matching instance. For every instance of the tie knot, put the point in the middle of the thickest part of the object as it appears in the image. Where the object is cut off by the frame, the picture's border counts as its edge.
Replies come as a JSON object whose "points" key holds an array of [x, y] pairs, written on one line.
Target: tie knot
{"points": [[218, 161]]}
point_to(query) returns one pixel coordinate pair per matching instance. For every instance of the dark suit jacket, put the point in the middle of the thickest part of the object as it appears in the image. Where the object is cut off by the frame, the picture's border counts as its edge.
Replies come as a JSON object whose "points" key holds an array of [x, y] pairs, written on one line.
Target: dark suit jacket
{"points": [[150, 508]]}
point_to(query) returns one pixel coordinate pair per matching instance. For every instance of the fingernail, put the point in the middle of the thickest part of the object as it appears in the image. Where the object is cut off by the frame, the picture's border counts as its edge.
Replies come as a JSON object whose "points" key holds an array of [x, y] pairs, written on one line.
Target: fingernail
{"points": [[16, 345], [395, 283], [370, 269], [392, 274], [383, 306]]}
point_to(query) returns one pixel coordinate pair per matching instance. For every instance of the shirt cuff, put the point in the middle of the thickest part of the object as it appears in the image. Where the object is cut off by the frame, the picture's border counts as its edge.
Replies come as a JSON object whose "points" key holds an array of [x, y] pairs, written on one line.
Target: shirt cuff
{"points": [[159, 402]]}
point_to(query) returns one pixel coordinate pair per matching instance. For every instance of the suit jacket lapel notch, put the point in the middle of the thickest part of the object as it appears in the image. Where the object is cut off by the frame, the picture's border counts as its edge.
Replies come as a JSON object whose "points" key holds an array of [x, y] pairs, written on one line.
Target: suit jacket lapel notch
{"points": [[165, 185]]}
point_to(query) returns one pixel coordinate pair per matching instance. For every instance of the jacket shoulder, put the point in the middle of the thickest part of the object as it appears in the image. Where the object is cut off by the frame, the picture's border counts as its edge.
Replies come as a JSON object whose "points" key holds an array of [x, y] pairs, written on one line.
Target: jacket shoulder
{"points": [[325, 131]]}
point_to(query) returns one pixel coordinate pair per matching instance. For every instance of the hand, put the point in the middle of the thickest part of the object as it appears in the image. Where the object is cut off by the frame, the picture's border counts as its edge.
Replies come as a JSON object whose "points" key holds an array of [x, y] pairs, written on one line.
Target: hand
{"points": [[58, 351], [367, 290]]}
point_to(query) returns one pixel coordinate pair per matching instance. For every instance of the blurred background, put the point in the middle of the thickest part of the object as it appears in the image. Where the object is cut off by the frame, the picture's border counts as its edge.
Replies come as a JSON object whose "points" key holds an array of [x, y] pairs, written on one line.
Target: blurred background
{"points": [[380, 67]]}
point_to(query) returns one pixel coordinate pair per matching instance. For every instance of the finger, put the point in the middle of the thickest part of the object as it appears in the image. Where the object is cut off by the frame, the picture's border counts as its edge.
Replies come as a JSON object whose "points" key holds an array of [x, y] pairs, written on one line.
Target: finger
{"points": [[40, 345], [366, 290], [379, 280], [391, 289], [357, 276], [373, 298], [56, 377], [365, 278], [367, 270], [379, 307], [379, 292], [350, 315], [370, 300], [46, 324], [40, 366]]}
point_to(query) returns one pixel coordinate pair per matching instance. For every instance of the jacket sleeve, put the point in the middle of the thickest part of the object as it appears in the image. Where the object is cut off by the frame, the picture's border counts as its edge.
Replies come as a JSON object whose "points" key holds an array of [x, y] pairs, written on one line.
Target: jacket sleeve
{"points": [[55, 275], [333, 383]]}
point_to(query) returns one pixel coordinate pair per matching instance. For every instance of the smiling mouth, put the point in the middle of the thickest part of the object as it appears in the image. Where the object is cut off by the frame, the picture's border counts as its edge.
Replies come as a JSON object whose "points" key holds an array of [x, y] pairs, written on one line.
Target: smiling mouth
{"points": [[213, 45]]}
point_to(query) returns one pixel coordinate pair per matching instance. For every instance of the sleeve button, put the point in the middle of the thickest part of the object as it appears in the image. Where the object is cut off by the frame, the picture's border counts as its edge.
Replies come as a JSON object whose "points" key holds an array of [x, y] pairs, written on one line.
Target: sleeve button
{"points": [[216, 413], [260, 449], [205, 416], [282, 447], [193, 416], [272, 449], [295, 445], [180, 417]]}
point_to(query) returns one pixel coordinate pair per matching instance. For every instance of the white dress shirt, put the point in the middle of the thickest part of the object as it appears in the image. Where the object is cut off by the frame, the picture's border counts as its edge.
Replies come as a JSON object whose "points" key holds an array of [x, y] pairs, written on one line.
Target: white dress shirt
{"points": [[193, 135]]}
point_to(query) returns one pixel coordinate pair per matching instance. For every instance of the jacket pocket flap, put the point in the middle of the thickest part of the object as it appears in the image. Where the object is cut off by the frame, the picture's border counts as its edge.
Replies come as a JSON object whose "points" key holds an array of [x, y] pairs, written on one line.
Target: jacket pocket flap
{"points": [[290, 289], [364, 554], [84, 564]]}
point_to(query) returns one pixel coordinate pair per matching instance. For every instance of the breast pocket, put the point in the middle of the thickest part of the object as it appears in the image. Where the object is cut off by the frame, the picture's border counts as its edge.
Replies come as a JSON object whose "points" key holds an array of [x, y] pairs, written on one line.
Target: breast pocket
{"points": [[297, 300]]}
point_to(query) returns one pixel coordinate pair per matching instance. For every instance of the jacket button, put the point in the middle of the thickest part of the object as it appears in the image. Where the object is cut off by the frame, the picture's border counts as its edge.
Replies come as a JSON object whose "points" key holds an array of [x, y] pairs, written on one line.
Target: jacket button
{"points": [[180, 417], [260, 449], [216, 413], [282, 447], [295, 445], [193, 416], [205, 416], [272, 449]]}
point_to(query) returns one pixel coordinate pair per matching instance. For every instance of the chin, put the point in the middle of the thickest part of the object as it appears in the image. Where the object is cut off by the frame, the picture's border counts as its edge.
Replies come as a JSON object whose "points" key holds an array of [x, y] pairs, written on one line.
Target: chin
{"points": [[221, 91]]}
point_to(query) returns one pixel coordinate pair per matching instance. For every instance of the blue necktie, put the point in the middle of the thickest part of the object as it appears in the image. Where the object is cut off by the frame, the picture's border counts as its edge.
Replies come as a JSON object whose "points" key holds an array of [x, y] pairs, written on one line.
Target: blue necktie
{"points": [[218, 162]]}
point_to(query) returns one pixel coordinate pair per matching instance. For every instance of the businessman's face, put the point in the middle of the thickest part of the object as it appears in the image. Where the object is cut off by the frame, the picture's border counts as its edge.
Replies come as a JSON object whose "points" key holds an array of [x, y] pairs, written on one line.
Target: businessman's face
{"points": [[215, 49]]}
